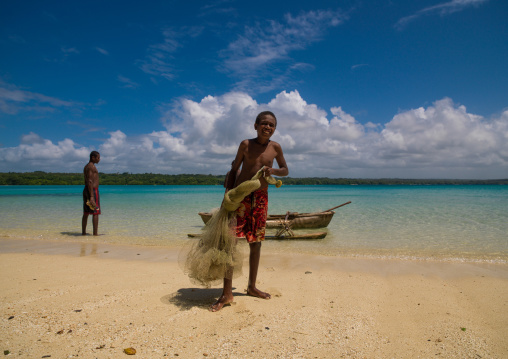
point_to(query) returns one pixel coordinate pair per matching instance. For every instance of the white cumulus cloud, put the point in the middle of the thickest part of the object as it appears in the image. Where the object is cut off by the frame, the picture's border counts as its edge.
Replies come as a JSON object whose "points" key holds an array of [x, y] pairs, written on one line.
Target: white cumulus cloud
{"points": [[442, 140]]}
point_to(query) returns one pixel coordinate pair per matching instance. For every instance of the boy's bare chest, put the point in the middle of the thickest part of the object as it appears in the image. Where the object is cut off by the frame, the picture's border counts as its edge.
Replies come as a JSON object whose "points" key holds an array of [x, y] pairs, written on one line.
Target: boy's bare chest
{"points": [[264, 156]]}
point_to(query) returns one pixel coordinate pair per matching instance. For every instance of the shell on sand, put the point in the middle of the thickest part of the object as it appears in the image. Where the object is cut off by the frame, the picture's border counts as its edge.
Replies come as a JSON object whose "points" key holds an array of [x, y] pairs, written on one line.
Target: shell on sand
{"points": [[129, 351]]}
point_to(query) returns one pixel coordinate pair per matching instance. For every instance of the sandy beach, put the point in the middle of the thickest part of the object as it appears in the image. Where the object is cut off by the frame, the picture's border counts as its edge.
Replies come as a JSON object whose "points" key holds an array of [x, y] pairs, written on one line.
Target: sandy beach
{"points": [[86, 300]]}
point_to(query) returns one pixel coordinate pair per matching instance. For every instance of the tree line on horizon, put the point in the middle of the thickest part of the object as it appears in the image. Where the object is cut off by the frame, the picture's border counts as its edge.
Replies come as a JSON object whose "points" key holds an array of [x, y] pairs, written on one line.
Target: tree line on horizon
{"points": [[39, 178]]}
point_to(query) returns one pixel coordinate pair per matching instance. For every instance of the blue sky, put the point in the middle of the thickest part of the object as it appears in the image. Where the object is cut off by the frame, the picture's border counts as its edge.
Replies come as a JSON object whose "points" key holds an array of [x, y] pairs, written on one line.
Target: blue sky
{"points": [[408, 89]]}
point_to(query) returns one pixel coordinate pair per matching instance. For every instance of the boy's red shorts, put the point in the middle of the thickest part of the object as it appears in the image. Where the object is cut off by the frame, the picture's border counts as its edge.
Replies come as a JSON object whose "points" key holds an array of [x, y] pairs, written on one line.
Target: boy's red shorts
{"points": [[251, 216]]}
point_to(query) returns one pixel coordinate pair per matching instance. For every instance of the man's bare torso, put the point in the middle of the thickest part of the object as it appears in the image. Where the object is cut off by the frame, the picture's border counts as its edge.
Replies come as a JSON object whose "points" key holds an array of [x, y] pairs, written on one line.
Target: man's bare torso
{"points": [[91, 175]]}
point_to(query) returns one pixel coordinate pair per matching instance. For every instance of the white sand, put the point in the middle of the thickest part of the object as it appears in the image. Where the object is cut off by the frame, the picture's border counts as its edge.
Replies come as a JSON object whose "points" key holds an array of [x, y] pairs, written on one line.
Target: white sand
{"points": [[92, 301]]}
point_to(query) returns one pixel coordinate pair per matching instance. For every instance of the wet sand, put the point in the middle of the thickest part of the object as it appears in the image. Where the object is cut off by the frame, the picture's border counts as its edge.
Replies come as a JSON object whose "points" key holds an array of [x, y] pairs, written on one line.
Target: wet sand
{"points": [[91, 300]]}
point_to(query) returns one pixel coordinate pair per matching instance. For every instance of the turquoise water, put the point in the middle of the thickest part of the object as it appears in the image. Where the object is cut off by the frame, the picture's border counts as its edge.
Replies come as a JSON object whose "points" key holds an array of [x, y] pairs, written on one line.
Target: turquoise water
{"points": [[446, 222]]}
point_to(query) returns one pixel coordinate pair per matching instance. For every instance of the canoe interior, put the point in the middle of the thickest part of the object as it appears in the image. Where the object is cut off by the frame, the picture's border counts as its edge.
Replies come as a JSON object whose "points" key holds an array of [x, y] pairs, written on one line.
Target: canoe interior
{"points": [[297, 220]]}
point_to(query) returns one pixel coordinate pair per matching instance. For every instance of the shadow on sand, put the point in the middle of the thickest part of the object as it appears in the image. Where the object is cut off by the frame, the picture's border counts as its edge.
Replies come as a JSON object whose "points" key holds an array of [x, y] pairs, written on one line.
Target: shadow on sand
{"points": [[188, 298], [73, 234], [78, 234]]}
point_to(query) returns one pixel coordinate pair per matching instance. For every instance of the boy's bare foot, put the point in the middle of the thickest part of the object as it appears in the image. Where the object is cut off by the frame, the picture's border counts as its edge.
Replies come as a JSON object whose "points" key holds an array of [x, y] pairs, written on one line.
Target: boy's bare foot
{"points": [[221, 302], [254, 292]]}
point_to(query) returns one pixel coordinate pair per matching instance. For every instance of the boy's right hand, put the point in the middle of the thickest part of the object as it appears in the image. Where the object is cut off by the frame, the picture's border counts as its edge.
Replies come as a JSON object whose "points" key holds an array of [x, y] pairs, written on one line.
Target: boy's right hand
{"points": [[268, 171]]}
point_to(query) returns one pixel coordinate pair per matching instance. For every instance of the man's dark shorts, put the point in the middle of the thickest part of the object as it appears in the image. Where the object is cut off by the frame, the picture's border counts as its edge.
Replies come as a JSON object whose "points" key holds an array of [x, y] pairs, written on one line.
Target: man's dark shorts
{"points": [[86, 197]]}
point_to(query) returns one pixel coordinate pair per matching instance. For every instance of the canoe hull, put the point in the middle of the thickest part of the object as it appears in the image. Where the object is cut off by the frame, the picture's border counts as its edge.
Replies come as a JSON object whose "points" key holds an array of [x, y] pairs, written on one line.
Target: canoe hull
{"points": [[307, 236], [297, 220]]}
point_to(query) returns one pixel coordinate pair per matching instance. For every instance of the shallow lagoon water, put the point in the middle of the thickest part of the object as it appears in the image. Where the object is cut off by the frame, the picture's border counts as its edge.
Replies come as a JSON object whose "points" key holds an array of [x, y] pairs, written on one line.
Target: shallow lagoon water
{"points": [[443, 222]]}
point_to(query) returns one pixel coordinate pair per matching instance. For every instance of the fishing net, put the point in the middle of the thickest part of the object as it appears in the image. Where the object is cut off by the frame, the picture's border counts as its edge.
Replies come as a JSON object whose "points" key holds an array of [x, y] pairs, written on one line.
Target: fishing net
{"points": [[216, 255]]}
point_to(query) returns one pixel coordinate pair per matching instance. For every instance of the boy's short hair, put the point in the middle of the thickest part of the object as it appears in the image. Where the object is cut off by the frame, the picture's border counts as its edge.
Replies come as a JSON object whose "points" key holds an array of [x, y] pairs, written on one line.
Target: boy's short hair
{"points": [[263, 114], [94, 154]]}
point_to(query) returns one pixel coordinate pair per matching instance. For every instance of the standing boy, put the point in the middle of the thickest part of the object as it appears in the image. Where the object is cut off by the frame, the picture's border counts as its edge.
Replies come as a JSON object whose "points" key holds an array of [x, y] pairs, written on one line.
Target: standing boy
{"points": [[91, 200], [251, 215]]}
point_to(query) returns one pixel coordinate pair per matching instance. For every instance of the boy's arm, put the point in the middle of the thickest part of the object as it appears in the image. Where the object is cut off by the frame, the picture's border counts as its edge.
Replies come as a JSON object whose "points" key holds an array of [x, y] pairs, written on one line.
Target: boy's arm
{"points": [[236, 165], [230, 180], [283, 170]]}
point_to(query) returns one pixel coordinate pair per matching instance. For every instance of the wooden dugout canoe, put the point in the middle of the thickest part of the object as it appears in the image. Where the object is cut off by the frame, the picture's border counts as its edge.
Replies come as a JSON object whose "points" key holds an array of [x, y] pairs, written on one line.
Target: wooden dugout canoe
{"points": [[298, 220], [294, 219], [316, 235]]}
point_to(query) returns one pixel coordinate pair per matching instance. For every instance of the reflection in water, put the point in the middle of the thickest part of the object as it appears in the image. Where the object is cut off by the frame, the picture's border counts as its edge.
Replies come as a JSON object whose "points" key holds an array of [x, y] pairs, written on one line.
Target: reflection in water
{"points": [[84, 246], [74, 234]]}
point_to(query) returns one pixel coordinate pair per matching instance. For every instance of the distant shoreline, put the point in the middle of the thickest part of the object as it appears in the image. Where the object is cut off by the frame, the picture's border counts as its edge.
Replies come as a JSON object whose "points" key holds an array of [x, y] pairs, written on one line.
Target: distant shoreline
{"points": [[39, 178]]}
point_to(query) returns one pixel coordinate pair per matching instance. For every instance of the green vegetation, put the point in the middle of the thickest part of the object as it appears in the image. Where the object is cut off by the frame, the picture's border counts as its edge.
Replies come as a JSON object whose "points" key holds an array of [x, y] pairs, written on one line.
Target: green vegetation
{"points": [[45, 178]]}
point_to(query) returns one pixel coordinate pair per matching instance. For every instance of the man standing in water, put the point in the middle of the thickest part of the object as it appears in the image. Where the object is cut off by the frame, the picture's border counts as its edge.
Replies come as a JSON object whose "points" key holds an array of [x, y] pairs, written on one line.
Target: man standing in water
{"points": [[91, 200]]}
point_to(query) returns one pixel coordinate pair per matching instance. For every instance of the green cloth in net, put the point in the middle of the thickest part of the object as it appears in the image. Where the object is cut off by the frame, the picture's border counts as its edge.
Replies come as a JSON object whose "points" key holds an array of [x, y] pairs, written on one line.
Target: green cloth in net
{"points": [[216, 256]]}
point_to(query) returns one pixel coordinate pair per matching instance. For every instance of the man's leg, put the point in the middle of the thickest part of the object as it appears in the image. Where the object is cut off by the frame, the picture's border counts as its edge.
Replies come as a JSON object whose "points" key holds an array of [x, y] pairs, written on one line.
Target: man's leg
{"points": [[84, 221], [227, 294], [255, 255], [95, 224]]}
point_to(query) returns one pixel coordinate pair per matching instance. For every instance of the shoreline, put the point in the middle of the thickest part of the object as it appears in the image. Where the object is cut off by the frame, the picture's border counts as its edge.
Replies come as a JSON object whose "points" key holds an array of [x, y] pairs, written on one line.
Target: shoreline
{"points": [[165, 253], [156, 252], [46, 240], [94, 300]]}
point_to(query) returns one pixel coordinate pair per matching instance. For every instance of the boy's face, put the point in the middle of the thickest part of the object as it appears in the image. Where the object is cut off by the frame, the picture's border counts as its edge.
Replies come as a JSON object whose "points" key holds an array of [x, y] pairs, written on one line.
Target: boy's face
{"points": [[266, 127]]}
